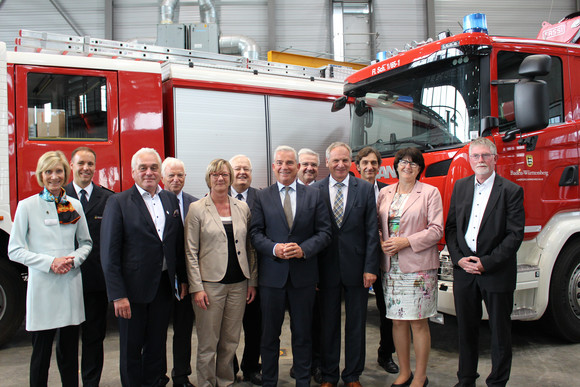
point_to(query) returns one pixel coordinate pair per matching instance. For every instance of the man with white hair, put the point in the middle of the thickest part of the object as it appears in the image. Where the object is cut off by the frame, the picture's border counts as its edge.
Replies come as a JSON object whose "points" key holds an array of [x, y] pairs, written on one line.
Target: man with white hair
{"points": [[290, 226], [173, 177], [252, 323], [142, 253]]}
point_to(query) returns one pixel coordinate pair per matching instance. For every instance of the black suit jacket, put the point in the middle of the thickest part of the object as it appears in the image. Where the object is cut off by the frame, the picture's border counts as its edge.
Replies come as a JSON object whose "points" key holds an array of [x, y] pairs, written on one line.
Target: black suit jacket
{"points": [[500, 234], [354, 248], [310, 229], [132, 252], [187, 200], [92, 272]]}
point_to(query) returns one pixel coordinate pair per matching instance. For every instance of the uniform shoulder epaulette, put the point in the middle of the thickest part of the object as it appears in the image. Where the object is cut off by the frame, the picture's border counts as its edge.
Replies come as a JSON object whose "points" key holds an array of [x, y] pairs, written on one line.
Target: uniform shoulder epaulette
{"points": [[107, 189]]}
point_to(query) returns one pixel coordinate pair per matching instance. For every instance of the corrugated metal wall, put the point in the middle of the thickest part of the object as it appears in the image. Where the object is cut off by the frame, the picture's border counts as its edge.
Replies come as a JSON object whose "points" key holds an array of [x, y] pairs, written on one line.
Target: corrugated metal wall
{"points": [[41, 15], [521, 18], [300, 24]]}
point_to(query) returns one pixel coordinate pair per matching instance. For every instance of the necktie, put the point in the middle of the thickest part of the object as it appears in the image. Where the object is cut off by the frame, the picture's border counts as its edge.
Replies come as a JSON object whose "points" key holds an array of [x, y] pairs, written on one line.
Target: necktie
{"points": [[338, 207], [84, 200], [240, 197], [288, 207]]}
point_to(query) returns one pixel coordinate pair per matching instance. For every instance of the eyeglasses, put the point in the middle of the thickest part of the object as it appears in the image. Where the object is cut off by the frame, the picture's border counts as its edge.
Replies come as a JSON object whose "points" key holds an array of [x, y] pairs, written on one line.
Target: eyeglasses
{"points": [[404, 163], [476, 156], [218, 175], [144, 168]]}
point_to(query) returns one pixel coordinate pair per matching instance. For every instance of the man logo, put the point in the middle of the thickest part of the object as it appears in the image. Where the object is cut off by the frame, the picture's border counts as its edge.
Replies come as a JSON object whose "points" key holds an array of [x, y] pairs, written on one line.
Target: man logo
{"points": [[530, 160]]}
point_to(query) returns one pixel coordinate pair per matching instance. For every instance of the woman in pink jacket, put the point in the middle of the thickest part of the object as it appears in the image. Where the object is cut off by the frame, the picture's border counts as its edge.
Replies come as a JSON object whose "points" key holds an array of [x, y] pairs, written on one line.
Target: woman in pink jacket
{"points": [[411, 223]]}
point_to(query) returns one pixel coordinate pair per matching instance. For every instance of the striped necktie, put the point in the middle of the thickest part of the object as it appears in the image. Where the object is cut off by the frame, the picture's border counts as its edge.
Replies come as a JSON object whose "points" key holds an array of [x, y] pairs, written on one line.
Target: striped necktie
{"points": [[338, 207]]}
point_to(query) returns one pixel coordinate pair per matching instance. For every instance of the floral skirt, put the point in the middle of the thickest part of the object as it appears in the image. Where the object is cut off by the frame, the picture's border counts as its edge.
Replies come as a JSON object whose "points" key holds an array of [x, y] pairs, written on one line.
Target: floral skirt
{"points": [[409, 296]]}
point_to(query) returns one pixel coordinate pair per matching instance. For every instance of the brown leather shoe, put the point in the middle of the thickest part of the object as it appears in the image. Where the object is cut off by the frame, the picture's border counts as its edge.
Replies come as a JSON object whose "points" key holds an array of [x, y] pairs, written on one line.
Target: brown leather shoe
{"points": [[353, 384], [327, 384]]}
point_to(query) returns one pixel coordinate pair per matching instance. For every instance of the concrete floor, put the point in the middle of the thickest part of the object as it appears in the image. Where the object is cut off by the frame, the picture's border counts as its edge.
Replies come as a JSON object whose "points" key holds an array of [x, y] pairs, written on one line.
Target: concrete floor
{"points": [[539, 358]]}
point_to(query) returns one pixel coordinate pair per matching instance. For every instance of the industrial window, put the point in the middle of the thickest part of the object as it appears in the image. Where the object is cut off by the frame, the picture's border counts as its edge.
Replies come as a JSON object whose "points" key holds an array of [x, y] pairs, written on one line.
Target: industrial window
{"points": [[508, 64], [67, 107]]}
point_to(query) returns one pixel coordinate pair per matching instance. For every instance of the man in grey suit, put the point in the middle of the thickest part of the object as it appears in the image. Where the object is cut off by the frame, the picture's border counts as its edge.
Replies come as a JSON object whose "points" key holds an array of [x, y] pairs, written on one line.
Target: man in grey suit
{"points": [[252, 323], [93, 198], [173, 176], [142, 253], [290, 226], [349, 265]]}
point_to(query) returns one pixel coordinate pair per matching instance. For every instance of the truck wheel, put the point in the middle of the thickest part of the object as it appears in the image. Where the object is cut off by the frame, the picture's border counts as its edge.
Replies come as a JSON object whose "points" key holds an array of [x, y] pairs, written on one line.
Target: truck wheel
{"points": [[12, 301], [564, 305]]}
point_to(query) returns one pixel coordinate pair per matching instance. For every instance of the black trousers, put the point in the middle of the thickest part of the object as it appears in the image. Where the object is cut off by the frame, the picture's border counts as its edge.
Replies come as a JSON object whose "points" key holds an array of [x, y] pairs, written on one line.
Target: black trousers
{"points": [[93, 332], [300, 303], [142, 339], [386, 345], [252, 324], [183, 317], [67, 355], [499, 305]]}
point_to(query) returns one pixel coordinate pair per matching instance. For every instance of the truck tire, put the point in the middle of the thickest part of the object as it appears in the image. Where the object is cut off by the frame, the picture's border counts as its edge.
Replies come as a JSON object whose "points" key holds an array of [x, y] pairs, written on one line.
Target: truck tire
{"points": [[564, 304], [12, 301]]}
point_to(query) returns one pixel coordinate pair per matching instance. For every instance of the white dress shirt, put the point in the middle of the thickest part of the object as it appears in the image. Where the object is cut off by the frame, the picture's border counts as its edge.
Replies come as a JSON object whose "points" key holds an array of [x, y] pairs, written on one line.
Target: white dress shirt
{"points": [[235, 194], [88, 189], [156, 211], [481, 194]]}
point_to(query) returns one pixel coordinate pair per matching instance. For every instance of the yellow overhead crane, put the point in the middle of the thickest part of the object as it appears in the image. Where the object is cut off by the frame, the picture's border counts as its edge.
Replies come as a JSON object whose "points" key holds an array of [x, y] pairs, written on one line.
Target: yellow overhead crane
{"points": [[308, 61]]}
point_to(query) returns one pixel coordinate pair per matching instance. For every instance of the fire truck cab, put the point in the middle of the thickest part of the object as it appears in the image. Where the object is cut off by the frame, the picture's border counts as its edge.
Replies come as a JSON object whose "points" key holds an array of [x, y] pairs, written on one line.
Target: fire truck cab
{"points": [[522, 94]]}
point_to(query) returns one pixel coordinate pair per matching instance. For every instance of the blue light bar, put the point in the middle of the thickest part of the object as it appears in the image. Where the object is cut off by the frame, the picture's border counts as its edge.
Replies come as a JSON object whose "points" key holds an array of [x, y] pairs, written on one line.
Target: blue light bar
{"points": [[381, 55], [476, 22]]}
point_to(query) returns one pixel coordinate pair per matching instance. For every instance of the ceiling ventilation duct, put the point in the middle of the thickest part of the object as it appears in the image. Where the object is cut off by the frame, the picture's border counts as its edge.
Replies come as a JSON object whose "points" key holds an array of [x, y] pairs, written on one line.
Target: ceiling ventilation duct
{"points": [[228, 44], [169, 11], [207, 11]]}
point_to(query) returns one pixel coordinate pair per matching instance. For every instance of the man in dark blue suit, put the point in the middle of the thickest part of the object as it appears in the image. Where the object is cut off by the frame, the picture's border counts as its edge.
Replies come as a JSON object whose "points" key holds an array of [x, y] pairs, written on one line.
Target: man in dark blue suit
{"points": [[290, 226], [252, 323], [349, 265], [142, 253], [368, 162], [93, 198], [173, 176]]}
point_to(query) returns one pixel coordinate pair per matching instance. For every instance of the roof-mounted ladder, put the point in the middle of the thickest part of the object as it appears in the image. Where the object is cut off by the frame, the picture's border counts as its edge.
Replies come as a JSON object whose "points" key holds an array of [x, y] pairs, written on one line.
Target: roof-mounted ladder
{"points": [[85, 45]]}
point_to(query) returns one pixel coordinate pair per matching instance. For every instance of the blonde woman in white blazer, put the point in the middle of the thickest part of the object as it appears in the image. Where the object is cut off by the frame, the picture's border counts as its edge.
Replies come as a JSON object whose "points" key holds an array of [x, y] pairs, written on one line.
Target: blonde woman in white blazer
{"points": [[411, 223], [46, 227], [222, 274]]}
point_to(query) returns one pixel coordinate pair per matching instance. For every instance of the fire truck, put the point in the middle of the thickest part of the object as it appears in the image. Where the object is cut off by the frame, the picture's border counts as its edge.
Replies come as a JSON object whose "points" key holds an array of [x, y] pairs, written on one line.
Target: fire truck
{"points": [[59, 92], [522, 94]]}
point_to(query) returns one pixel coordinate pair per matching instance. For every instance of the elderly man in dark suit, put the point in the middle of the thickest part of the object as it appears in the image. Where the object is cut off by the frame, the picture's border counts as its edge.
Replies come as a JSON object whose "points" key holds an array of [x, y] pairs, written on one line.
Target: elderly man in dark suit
{"points": [[485, 227], [252, 323], [349, 265], [142, 253], [93, 198], [368, 161], [290, 226], [173, 177]]}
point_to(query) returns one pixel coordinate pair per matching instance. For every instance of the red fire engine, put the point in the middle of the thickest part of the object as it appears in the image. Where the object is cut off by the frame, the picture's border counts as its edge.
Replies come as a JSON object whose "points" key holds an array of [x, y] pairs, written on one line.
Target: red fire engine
{"points": [[192, 105], [522, 94]]}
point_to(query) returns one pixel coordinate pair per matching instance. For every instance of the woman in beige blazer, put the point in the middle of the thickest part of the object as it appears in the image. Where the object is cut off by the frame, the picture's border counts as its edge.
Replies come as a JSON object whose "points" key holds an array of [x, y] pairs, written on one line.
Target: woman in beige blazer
{"points": [[411, 224], [222, 273]]}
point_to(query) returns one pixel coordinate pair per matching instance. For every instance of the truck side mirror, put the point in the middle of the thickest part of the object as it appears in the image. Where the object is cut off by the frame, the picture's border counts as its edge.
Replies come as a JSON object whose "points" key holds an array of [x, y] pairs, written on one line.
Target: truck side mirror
{"points": [[531, 101], [338, 104]]}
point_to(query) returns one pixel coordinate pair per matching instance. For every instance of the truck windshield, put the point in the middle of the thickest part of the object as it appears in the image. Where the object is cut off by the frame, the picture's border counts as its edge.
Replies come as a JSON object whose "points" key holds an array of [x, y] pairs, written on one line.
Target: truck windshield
{"points": [[428, 107]]}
